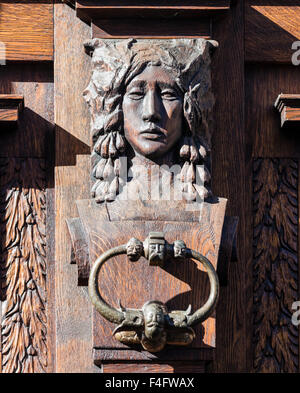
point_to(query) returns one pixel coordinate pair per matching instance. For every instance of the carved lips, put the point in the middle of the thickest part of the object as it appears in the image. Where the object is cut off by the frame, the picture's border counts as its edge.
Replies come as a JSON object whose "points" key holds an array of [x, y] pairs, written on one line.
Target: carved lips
{"points": [[154, 133]]}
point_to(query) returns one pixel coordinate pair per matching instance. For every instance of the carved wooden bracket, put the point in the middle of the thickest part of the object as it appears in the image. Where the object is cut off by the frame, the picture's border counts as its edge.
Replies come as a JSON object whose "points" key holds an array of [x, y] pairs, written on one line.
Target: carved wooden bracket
{"points": [[152, 18], [102, 9], [127, 127], [10, 107], [288, 106], [81, 257], [174, 284], [80, 250]]}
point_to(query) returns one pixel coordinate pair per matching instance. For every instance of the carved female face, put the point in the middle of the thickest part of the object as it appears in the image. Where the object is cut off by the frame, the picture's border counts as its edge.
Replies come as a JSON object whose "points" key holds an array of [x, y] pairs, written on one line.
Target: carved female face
{"points": [[153, 114]]}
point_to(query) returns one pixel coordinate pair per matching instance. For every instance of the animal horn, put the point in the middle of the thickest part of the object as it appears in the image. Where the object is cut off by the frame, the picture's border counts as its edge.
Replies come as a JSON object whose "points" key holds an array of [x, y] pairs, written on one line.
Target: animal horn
{"points": [[188, 310], [121, 307]]}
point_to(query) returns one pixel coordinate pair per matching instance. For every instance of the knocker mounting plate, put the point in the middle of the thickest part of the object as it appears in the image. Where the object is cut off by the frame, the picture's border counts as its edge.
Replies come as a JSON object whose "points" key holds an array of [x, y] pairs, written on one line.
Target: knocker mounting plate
{"points": [[174, 281], [153, 326]]}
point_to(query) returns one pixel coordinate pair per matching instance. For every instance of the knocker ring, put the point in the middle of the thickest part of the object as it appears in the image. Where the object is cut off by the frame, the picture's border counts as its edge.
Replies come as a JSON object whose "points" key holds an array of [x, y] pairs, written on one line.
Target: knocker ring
{"points": [[153, 326]]}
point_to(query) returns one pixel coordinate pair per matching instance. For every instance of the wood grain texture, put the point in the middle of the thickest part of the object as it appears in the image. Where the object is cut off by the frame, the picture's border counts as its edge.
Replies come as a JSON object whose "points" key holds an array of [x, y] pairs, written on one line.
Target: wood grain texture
{"points": [[23, 265], [50, 252], [170, 354], [275, 264], [177, 284], [11, 100], [10, 106], [26, 29], [288, 105], [80, 252], [271, 26], [265, 138], [149, 28], [8, 115], [33, 138], [155, 3], [33, 81], [88, 11], [291, 117], [172, 367], [73, 307], [228, 248], [228, 180]]}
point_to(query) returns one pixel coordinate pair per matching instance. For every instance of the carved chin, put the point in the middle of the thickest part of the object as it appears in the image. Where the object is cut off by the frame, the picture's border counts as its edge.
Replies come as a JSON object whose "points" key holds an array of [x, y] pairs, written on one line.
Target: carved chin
{"points": [[152, 148], [151, 345], [153, 333]]}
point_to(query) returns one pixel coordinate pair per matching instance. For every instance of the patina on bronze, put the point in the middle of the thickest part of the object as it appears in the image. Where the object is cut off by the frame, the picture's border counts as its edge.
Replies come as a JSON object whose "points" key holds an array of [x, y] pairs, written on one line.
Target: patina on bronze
{"points": [[153, 326]]}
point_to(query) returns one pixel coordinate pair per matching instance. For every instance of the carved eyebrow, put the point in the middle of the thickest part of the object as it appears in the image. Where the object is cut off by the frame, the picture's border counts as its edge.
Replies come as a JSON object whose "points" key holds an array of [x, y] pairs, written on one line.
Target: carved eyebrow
{"points": [[167, 85], [136, 83], [163, 85]]}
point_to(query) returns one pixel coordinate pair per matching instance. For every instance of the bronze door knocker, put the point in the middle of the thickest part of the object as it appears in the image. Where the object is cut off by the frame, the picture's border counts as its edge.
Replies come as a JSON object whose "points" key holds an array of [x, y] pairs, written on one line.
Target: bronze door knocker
{"points": [[153, 326]]}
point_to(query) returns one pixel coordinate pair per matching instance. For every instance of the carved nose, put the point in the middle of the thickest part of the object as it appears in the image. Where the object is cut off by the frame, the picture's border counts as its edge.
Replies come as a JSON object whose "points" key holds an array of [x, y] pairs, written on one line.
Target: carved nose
{"points": [[151, 108]]}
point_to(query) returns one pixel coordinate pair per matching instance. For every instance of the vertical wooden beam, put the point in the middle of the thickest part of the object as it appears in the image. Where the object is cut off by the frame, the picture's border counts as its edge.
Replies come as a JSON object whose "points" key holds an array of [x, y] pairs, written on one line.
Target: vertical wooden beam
{"points": [[266, 140], [25, 154], [275, 264], [298, 259], [72, 72], [228, 180]]}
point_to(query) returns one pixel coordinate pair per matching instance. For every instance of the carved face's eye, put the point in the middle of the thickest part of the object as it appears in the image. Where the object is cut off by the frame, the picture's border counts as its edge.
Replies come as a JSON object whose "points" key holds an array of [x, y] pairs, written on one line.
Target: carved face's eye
{"points": [[160, 318], [169, 95], [144, 103], [135, 94]]}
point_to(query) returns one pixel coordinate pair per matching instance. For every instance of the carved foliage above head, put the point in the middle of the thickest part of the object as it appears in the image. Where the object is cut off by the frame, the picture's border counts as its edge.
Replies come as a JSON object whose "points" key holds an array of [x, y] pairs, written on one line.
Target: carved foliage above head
{"points": [[153, 99]]}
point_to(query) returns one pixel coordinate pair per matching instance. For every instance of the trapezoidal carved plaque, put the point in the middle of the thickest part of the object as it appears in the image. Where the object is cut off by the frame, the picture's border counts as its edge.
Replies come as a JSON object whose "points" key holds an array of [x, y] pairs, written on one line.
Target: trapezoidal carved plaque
{"points": [[151, 124]]}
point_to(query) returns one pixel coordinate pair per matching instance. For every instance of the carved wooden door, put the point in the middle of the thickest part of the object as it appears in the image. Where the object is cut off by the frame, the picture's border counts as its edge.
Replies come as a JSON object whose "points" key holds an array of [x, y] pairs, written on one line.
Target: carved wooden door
{"points": [[47, 315]]}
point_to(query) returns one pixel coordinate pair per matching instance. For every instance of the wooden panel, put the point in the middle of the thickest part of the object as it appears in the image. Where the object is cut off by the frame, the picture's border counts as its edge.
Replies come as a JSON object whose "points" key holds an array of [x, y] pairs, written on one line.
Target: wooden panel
{"points": [[178, 284], [265, 138], [228, 180], [184, 283], [292, 117], [73, 306], [155, 3], [264, 134], [147, 28], [35, 82], [288, 105], [169, 354], [87, 10], [27, 198], [26, 28], [8, 115], [175, 367], [275, 264], [23, 265], [80, 252], [271, 26], [10, 106], [11, 100]]}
